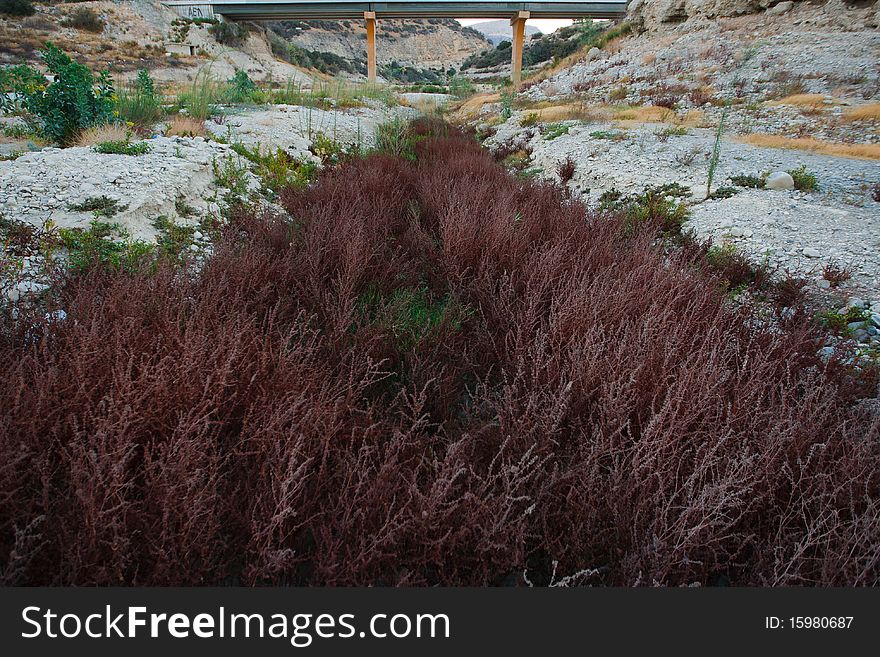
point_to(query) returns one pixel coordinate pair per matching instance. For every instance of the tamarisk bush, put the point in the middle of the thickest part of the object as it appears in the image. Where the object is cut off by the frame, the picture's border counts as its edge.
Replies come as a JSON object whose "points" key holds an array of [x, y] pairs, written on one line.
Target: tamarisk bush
{"points": [[430, 373]]}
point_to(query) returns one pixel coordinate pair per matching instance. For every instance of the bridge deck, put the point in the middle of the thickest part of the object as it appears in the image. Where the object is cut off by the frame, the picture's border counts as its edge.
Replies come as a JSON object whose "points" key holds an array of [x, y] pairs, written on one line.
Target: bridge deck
{"points": [[330, 9]]}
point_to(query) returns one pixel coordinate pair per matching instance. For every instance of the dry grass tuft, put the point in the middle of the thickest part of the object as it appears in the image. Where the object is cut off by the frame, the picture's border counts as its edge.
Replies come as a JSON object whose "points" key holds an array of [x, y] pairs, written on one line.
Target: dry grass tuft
{"points": [[185, 126], [802, 100], [857, 151], [870, 112], [471, 107], [102, 133], [646, 114]]}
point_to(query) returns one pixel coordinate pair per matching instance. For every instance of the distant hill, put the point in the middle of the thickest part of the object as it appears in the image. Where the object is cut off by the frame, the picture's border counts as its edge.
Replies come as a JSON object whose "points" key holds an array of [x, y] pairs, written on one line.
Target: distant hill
{"points": [[498, 31]]}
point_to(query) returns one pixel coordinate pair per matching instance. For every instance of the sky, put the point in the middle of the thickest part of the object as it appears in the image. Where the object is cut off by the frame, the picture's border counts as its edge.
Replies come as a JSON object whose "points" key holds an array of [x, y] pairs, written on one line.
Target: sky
{"points": [[543, 24]]}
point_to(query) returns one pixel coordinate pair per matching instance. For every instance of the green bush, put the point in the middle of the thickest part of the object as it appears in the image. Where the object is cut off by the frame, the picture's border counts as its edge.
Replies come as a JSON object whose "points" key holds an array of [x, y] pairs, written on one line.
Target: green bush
{"points": [[229, 34], [85, 19], [138, 102], [241, 89], [803, 179], [76, 100], [17, 7], [748, 180], [553, 130], [103, 244], [122, 148]]}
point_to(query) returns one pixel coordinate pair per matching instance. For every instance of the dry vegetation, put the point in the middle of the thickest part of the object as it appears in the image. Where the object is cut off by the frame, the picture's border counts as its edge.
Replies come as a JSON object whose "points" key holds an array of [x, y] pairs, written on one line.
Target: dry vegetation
{"points": [[407, 386], [859, 151]]}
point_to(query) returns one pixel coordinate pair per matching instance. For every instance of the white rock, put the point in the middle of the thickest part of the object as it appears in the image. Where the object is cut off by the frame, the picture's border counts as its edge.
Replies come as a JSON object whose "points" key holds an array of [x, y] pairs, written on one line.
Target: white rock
{"points": [[810, 252], [779, 180]]}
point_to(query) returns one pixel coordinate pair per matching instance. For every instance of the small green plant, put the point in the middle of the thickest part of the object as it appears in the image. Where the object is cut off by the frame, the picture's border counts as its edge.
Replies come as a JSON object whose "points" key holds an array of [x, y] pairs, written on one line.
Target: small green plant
{"points": [[395, 138], [803, 179], [530, 119], [101, 206], [553, 130], [103, 244], [656, 204], [182, 208], [672, 131], [716, 150], [506, 104], [839, 322], [173, 239], [749, 181], [277, 168], [138, 103], [461, 87], [241, 88], [122, 147], [724, 192], [613, 135]]}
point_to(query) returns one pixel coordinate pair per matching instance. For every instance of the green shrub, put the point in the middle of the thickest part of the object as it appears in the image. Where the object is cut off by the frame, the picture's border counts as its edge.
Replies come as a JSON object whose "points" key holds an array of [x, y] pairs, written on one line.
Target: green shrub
{"points": [[229, 34], [657, 204], [122, 148], [724, 192], [74, 101], [84, 19], [461, 87], [201, 98], [138, 103], [748, 180], [103, 244], [530, 119], [101, 206], [803, 179], [17, 7], [241, 89], [394, 138], [553, 130], [277, 169]]}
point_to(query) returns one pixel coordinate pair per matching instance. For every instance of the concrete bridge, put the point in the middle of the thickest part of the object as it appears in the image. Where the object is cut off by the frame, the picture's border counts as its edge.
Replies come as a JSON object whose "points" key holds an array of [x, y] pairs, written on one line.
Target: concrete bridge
{"points": [[518, 12]]}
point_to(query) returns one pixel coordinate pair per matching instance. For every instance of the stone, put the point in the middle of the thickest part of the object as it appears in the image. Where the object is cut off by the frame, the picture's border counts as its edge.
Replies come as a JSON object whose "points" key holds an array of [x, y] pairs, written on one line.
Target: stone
{"points": [[594, 53], [781, 8], [875, 319], [822, 284], [810, 252], [779, 180], [855, 302]]}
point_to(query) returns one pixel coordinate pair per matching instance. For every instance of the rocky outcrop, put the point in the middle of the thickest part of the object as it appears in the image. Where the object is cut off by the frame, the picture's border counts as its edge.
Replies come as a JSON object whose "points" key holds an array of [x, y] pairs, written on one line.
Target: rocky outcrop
{"points": [[651, 14], [434, 43]]}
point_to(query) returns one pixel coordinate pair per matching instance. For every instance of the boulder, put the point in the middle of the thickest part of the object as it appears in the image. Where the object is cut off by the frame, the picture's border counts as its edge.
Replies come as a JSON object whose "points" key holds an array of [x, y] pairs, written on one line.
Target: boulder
{"points": [[779, 180], [781, 8]]}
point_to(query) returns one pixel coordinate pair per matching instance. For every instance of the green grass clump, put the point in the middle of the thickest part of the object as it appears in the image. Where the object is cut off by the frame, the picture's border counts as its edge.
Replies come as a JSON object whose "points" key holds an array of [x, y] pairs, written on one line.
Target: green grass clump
{"points": [[840, 321], [553, 130], [122, 147], [174, 239], [657, 204], [803, 179], [749, 181], [101, 206], [103, 244], [613, 135], [723, 192], [138, 103], [276, 168]]}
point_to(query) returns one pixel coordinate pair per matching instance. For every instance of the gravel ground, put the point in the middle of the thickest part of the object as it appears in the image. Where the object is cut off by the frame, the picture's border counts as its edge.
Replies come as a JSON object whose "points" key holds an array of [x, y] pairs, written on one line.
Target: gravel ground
{"points": [[796, 230]]}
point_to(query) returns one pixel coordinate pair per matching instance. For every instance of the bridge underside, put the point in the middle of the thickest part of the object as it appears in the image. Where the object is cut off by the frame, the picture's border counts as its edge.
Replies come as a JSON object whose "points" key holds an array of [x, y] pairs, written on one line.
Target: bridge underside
{"points": [[518, 12], [251, 11]]}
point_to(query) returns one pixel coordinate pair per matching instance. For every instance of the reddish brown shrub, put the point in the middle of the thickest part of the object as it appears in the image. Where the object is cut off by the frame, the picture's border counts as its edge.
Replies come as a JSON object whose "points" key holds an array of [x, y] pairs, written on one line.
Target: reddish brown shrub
{"points": [[566, 169], [432, 374]]}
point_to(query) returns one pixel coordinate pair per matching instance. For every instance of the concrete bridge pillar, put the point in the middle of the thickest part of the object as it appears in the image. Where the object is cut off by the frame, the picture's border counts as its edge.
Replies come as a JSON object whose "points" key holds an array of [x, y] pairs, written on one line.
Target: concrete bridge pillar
{"points": [[370, 17], [518, 22]]}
